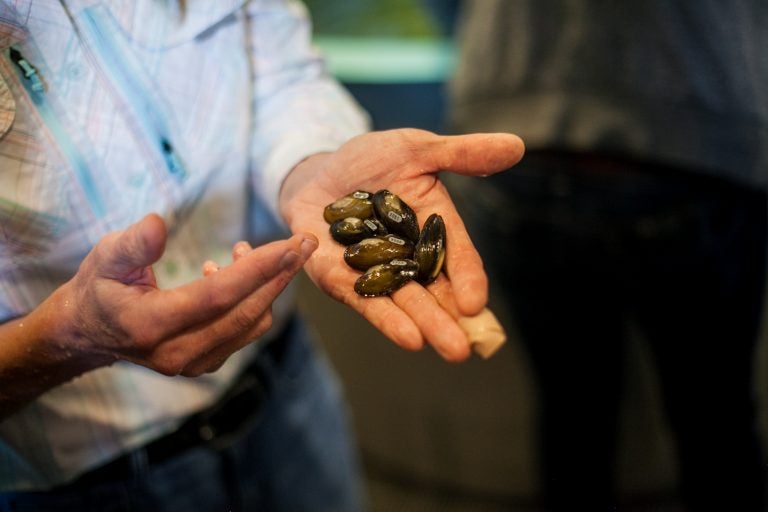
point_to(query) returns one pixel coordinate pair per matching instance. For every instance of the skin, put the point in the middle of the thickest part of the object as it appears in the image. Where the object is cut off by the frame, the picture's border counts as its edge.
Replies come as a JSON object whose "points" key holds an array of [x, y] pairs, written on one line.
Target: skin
{"points": [[406, 162], [112, 308]]}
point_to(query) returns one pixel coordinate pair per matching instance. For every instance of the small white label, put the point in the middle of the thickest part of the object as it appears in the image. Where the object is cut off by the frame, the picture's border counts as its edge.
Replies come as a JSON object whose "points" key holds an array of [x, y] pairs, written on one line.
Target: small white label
{"points": [[353, 221], [360, 195], [343, 202], [399, 263], [395, 240], [371, 225], [396, 217]]}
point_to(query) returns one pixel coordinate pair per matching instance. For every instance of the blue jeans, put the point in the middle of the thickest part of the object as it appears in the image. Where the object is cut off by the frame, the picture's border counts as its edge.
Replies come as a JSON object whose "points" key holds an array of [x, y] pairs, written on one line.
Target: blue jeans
{"points": [[298, 457], [581, 250]]}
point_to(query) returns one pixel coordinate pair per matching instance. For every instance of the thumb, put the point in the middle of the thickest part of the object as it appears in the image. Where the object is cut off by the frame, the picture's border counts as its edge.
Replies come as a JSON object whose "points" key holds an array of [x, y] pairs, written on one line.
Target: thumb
{"points": [[476, 154], [133, 250]]}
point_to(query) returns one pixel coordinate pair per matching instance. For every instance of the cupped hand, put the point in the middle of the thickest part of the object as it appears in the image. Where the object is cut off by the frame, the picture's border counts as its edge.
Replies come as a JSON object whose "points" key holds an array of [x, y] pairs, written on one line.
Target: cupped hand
{"points": [[115, 310], [407, 163]]}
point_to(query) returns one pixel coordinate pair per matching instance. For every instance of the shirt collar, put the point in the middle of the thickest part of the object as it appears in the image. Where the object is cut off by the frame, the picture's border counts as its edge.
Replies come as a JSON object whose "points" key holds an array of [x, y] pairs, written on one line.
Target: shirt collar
{"points": [[199, 15]]}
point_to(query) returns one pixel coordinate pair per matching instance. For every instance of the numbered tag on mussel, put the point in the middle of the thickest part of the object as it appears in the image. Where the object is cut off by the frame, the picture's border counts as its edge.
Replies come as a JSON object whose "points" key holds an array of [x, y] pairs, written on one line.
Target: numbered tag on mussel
{"points": [[396, 215]]}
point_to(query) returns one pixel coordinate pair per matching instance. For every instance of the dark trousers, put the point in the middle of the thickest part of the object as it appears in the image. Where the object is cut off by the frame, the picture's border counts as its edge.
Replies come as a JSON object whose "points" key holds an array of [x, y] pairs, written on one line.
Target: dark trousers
{"points": [[581, 248]]}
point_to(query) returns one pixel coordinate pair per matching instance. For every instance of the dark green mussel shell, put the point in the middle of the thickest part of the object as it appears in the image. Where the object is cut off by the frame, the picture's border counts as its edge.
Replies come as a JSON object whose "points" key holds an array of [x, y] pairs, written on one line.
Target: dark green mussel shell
{"points": [[385, 278], [429, 252], [373, 251]]}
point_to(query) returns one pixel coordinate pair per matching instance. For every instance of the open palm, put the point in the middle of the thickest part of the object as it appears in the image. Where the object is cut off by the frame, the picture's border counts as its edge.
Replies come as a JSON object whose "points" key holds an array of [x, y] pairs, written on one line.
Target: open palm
{"points": [[407, 163]]}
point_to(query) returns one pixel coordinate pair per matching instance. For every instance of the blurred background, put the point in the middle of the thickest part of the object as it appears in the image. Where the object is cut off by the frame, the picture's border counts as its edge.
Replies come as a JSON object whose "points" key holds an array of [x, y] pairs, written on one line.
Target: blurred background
{"points": [[436, 436]]}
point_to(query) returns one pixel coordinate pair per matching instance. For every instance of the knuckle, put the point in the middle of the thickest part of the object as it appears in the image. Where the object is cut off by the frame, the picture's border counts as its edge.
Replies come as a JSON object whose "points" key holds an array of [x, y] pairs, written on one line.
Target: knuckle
{"points": [[264, 324], [193, 372], [215, 366], [242, 321], [145, 338], [203, 367], [170, 365], [167, 368]]}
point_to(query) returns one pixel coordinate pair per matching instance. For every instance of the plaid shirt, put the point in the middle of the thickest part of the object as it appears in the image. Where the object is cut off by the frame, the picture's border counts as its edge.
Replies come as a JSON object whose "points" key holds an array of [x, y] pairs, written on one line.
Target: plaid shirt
{"points": [[110, 110]]}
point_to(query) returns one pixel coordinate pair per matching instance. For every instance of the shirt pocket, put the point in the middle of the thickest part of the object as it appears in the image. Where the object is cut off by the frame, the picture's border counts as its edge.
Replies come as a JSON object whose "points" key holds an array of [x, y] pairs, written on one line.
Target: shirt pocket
{"points": [[162, 69], [161, 28]]}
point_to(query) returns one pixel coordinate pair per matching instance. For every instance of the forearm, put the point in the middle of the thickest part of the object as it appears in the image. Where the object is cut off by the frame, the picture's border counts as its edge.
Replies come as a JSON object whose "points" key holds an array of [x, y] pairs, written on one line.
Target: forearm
{"points": [[301, 110], [34, 356]]}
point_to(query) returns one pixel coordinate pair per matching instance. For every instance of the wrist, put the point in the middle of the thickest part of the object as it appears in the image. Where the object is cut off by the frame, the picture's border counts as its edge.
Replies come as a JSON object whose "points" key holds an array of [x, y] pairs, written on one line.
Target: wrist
{"points": [[38, 354], [306, 171], [58, 337]]}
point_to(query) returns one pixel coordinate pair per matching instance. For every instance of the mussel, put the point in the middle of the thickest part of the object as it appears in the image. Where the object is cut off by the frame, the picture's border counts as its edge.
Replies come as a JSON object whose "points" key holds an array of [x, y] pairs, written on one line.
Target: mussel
{"points": [[395, 214], [357, 204], [351, 230], [383, 240], [375, 227], [373, 251], [429, 252], [385, 278]]}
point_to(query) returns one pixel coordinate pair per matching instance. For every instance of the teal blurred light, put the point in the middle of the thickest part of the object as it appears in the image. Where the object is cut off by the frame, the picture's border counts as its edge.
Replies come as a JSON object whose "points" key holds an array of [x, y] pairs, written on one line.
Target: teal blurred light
{"points": [[392, 55]]}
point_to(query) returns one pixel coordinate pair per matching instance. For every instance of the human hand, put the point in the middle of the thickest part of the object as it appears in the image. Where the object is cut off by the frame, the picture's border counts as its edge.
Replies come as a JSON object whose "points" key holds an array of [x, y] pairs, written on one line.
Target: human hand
{"points": [[114, 309], [406, 162]]}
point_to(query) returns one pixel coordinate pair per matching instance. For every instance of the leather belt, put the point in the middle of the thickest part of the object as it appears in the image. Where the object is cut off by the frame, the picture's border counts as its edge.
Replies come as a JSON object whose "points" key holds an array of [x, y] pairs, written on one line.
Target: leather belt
{"points": [[217, 427]]}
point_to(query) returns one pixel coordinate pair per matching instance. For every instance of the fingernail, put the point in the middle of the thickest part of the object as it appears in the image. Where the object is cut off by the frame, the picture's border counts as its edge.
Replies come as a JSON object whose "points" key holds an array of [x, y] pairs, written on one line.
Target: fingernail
{"points": [[308, 246], [289, 260], [210, 267], [241, 249]]}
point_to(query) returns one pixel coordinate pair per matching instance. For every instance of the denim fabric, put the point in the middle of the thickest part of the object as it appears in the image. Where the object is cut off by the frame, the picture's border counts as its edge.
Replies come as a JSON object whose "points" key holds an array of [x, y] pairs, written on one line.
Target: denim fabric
{"points": [[298, 457], [580, 255]]}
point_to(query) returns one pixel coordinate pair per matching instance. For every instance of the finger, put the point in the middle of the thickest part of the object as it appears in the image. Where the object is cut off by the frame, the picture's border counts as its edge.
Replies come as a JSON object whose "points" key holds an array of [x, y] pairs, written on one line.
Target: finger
{"points": [[484, 332], [390, 320], [207, 343], [240, 249], [125, 255], [195, 351], [477, 154], [435, 323], [464, 267], [380, 312], [210, 267], [266, 269], [213, 359], [244, 322], [443, 292]]}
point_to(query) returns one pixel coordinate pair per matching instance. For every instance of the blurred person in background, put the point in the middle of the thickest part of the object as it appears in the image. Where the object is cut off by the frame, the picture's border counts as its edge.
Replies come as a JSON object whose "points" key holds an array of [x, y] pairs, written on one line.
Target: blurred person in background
{"points": [[640, 202], [137, 141]]}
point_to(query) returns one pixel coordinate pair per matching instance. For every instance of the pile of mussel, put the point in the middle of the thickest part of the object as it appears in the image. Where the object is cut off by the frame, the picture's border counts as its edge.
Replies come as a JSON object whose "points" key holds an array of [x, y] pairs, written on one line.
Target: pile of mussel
{"points": [[383, 240]]}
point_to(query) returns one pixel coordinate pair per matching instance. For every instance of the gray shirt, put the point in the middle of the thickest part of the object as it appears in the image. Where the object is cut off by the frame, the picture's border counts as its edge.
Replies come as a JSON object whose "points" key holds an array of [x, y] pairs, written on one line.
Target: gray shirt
{"points": [[677, 81]]}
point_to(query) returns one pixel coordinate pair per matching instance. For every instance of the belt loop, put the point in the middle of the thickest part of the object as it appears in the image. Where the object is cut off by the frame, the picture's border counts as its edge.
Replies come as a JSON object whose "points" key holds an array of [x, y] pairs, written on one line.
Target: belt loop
{"points": [[231, 479], [139, 464]]}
